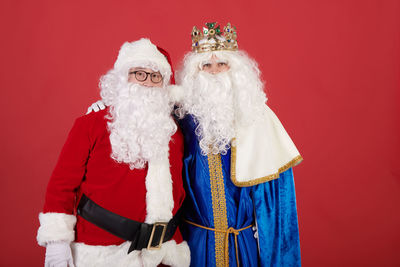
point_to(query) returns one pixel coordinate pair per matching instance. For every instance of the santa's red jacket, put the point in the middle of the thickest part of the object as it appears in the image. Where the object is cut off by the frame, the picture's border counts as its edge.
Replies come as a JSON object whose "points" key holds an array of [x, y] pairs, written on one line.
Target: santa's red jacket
{"points": [[85, 167]]}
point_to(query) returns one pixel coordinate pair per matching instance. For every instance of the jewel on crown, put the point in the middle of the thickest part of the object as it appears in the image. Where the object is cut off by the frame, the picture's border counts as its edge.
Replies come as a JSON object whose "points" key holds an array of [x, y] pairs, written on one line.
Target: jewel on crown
{"points": [[212, 39]]}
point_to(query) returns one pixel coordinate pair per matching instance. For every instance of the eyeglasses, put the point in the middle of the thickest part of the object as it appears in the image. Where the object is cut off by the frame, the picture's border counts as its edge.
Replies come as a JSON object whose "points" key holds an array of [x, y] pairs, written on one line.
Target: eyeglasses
{"points": [[142, 75]]}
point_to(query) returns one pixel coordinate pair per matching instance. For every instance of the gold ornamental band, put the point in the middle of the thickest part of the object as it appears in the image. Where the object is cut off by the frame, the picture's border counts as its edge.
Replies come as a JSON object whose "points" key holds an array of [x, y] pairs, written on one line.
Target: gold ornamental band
{"points": [[219, 207]]}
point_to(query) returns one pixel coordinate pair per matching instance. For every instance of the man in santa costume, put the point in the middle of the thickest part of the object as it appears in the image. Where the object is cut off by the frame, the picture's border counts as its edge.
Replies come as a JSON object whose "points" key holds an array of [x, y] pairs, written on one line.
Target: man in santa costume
{"points": [[238, 160], [114, 194]]}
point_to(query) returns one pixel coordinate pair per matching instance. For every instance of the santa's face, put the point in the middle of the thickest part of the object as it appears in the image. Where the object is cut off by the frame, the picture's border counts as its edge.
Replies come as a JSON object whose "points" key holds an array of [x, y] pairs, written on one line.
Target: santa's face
{"points": [[140, 123], [145, 76], [214, 65]]}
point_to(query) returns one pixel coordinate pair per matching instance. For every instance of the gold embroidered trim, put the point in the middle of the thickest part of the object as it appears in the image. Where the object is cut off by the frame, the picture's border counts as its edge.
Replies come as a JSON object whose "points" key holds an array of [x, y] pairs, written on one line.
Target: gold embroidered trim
{"points": [[219, 207], [260, 180]]}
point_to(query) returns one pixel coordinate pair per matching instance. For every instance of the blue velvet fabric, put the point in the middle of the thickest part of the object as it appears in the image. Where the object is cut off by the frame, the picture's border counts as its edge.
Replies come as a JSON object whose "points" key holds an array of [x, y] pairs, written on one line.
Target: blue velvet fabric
{"points": [[275, 206], [273, 203]]}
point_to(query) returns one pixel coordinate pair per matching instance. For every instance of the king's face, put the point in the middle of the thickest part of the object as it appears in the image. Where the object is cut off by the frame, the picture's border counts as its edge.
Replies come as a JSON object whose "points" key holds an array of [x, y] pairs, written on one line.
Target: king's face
{"points": [[215, 65]]}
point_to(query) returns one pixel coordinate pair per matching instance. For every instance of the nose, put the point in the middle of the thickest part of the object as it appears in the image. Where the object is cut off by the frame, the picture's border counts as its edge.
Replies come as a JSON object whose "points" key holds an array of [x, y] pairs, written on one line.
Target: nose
{"points": [[214, 69], [147, 82]]}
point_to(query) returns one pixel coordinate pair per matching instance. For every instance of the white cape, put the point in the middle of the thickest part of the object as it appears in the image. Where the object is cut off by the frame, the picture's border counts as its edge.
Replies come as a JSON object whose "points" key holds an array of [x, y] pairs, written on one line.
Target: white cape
{"points": [[261, 151]]}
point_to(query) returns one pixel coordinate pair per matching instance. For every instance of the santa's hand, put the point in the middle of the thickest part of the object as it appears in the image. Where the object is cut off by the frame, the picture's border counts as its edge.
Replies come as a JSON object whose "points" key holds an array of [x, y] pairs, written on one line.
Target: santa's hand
{"points": [[255, 232], [99, 105], [58, 254]]}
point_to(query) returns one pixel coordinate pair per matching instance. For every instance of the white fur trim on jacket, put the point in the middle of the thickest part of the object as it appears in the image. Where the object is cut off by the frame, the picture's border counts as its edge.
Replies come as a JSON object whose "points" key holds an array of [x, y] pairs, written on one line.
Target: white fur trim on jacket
{"points": [[105, 256], [159, 200], [55, 227]]}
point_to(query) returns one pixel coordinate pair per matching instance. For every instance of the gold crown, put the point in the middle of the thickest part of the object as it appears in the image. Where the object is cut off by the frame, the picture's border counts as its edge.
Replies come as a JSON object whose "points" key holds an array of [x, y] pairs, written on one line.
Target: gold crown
{"points": [[211, 39]]}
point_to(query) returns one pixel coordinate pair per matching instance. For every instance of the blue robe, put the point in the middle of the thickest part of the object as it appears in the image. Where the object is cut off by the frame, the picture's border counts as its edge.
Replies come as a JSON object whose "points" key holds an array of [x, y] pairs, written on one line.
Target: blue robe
{"points": [[213, 201]]}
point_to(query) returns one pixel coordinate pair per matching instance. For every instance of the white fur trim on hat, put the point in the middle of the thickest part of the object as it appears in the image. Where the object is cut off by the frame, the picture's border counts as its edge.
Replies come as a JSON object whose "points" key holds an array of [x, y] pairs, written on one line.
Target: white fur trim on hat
{"points": [[139, 54], [55, 227], [176, 93]]}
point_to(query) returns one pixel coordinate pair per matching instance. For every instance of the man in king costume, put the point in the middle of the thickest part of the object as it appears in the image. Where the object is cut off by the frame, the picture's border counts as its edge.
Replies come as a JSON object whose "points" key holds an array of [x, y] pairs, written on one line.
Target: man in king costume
{"points": [[238, 160], [117, 186]]}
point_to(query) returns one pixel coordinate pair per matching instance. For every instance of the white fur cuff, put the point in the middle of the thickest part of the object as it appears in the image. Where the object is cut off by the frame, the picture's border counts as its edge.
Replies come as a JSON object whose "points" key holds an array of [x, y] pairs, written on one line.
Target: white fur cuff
{"points": [[55, 227]]}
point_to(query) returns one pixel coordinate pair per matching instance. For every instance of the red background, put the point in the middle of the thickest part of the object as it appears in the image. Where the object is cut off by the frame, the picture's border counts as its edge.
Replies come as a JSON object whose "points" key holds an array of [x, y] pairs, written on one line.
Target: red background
{"points": [[332, 75]]}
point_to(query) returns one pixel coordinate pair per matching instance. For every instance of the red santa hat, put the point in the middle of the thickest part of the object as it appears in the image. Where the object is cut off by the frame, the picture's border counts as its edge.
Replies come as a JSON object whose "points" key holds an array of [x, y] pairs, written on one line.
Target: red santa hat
{"points": [[166, 54], [143, 53]]}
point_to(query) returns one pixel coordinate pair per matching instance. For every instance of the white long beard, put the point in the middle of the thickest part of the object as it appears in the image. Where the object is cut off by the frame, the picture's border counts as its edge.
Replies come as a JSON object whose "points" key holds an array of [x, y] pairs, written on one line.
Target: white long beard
{"points": [[140, 124], [224, 102], [211, 101]]}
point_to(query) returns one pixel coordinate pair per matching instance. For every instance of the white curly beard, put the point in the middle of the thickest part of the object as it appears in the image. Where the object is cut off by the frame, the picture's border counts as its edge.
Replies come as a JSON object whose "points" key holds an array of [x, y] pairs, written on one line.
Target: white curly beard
{"points": [[211, 103], [221, 102], [140, 124]]}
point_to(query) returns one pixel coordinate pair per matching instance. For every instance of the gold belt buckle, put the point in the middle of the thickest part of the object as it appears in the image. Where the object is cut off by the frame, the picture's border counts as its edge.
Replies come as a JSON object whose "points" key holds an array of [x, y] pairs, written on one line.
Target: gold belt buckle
{"points": [[164, 225]]}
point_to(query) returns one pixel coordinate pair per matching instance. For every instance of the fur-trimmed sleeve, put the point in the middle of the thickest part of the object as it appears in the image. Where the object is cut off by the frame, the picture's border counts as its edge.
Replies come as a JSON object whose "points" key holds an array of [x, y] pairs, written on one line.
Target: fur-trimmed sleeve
{"points": [[70, 169], [57, 221], [55, 227]]}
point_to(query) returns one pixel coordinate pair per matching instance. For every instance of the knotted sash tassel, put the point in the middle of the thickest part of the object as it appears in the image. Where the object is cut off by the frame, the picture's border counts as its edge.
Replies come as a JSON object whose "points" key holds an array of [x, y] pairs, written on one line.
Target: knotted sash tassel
{"points": [[228, 231]]}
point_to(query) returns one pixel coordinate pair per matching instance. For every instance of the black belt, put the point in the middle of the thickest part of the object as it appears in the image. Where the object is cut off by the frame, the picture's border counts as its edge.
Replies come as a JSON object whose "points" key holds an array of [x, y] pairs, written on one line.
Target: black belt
{"points": [[142, 235]]}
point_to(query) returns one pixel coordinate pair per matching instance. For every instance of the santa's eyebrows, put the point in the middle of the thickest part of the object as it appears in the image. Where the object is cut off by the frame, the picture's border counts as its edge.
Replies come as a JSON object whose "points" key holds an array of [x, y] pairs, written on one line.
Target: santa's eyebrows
{"points": [[143, 69]]}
